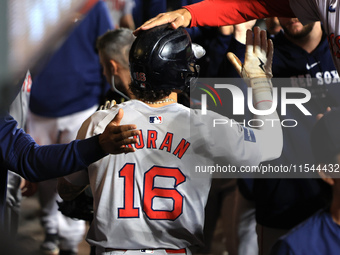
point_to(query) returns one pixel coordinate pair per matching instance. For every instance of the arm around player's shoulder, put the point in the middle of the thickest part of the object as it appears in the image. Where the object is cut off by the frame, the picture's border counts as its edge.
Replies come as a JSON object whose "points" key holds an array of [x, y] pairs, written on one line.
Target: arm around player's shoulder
{"points": [[97, 122]]}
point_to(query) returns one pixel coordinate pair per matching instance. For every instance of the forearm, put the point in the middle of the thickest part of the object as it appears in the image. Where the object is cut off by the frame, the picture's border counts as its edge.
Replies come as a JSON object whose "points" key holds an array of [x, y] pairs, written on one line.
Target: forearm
{"points": [[38, 163], [22, 155], [230, 12], [270, 137], [90, 150]]}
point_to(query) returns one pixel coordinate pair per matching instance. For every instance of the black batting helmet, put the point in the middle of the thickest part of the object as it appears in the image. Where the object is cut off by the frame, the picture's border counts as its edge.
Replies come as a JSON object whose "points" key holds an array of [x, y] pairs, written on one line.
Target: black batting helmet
{"points": [[164, 58]]}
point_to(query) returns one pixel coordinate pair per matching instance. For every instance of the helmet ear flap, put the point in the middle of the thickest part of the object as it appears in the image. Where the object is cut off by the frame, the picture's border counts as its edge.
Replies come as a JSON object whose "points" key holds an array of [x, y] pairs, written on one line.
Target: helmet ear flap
{"points": [[192, 77], [198, 50]]}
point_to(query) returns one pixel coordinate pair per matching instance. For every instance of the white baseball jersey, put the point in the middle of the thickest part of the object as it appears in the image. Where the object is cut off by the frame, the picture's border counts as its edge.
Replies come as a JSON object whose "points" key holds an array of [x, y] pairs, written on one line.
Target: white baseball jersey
{"points": [[152, 198], [19, 106], [328, 12]]}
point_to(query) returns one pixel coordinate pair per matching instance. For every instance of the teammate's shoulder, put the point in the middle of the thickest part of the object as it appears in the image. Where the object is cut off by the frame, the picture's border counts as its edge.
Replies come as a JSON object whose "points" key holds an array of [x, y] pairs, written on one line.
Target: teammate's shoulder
{"points": [[100, 114], [99, 120], [128, 103]]}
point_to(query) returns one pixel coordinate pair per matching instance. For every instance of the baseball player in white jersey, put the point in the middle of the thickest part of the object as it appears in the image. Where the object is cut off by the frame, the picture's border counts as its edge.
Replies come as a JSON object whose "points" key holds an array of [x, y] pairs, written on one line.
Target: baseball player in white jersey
{"points": [[152, 201], [18, 109]]}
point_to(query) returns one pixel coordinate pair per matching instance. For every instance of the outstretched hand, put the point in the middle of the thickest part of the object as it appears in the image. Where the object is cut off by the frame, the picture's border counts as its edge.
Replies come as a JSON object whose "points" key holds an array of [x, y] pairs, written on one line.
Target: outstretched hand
{"points": [[177, 18], [257, 67], [115, 137], [258, 57]]}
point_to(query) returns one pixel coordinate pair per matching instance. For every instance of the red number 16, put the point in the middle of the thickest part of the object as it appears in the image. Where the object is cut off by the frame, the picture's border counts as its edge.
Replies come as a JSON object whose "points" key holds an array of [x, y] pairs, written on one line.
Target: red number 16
{"points": [[150, 192]]}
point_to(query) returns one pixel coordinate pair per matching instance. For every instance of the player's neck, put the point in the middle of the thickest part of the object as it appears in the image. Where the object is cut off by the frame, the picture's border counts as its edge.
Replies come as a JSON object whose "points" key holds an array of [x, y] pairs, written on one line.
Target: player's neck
{"points": [[172, 98], [310, 41]]}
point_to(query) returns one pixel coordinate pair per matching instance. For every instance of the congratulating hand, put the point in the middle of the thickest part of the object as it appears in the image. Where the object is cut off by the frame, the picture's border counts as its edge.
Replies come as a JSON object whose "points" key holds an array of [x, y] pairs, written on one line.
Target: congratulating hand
{"points": [[115, 137], [177, 18], [256, 69], [258, 56]]}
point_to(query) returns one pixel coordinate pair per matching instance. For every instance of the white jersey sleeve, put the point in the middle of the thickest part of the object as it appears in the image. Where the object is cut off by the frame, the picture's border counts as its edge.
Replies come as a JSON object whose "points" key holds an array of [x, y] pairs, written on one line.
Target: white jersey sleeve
{"points": [[19, 107], [225, 138]]}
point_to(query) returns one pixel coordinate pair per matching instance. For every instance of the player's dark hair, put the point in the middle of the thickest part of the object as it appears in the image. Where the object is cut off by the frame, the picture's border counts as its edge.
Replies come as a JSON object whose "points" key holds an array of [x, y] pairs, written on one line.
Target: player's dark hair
{"points": [[148, 94], [110, 44]]}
